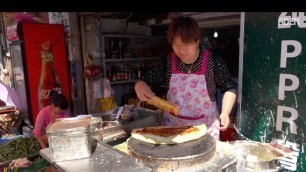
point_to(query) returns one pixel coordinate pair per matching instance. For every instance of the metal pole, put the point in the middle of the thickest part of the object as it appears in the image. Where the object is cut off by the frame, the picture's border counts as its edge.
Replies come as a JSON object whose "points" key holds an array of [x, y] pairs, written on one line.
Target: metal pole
{"points": [[241, 45]]}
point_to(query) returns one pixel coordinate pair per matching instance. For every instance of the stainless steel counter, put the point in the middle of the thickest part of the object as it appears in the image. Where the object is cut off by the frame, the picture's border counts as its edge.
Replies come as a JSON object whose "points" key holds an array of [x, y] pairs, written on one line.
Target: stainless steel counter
{"points": [[104, 158]]}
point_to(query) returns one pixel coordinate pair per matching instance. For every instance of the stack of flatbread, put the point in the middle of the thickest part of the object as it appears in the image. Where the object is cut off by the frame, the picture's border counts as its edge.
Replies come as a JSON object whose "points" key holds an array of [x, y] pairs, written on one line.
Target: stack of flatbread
{"points": [[169, 134]]}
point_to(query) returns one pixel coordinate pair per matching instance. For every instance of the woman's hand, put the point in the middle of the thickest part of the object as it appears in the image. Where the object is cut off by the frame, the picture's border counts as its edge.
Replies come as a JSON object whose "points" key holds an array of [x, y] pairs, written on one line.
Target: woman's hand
{"points": [[41, 141], [143, 91], [228, 102], [224, 121], [45, 138]]}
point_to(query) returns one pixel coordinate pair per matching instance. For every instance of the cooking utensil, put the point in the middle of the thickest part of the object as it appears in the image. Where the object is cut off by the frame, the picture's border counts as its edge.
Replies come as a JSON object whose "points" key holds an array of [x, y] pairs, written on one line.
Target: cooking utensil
{"points": [[276, 149], [96, 130], [171, 157], [257, 156], [119, 113], [261, 166], [112, 130]]}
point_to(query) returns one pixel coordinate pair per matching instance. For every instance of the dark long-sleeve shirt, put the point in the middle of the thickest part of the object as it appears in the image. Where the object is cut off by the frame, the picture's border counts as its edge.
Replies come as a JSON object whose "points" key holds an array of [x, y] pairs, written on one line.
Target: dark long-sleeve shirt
{"points": [[217, 74]]}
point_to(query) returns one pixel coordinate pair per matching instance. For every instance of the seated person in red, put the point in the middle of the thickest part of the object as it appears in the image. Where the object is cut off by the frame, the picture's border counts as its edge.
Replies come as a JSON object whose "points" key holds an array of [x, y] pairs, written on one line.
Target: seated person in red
{"points": [[57, 109]]}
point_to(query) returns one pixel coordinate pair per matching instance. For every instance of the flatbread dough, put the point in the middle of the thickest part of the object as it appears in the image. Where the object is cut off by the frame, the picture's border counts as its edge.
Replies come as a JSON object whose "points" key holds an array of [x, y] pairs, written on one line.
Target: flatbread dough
{"points": [[169, 134]]}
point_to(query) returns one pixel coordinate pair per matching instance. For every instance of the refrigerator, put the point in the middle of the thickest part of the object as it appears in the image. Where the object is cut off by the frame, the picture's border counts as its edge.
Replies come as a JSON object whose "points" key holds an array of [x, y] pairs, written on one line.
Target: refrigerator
{"points": [[39, 67]]}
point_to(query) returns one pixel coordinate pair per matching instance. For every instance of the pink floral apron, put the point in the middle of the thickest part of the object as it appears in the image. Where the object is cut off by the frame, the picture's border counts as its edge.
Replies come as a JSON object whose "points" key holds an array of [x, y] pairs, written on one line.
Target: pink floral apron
{"points": [[189, 92]]}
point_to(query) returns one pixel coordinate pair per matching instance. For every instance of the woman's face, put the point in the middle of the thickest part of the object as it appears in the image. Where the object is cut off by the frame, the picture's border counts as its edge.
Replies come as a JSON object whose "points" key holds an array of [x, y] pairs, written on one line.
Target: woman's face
{"points": [[57, 110], [187, 52]]}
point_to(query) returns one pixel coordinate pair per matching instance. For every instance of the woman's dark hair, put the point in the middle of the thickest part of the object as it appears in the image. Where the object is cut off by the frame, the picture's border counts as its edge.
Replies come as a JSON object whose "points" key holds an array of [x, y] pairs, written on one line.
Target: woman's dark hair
{"points": [[59, 100], [186, 28]]}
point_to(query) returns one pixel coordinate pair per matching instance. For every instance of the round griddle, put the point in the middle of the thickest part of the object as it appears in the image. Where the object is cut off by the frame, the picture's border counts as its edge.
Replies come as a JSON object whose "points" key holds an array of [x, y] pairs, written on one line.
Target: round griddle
{"points": [[174, 156]]}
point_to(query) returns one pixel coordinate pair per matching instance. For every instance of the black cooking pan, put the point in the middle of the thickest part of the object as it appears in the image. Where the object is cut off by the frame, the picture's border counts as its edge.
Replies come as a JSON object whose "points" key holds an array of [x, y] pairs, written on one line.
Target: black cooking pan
{"points": [[173, 156]]}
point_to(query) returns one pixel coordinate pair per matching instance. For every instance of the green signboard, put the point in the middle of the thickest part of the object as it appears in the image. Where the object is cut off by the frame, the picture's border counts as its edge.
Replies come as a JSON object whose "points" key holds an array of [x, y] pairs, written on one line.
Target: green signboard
{"points": [[273, 82]]}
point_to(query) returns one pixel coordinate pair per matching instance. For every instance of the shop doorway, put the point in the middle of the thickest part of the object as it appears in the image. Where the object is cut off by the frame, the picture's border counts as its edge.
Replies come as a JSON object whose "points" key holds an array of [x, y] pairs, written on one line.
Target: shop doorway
{"points": [[224, 41]]}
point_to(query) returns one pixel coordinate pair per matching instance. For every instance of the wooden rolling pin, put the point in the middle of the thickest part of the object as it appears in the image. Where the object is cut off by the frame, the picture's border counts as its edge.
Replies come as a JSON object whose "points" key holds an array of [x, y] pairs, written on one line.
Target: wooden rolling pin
{"points": [[164, 105]]}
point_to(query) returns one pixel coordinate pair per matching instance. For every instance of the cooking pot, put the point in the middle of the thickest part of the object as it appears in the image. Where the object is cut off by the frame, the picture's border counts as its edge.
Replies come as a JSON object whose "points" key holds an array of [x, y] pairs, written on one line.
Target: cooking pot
{"points": [[96, 129], [253, 156], [262, 166]]}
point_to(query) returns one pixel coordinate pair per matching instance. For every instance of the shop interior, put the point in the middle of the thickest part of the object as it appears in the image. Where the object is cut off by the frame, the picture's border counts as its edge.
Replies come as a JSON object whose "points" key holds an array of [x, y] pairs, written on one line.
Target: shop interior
{"points": [[109, 128], [220, 32], [123, 46]]}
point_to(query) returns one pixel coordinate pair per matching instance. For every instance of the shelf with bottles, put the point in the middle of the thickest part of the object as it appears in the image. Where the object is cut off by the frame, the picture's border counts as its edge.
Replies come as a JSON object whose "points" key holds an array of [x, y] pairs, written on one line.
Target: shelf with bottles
{"points": [[126, 58], [134, 48], [124, 36], [132, 59], [127, 73], [123, 82]]}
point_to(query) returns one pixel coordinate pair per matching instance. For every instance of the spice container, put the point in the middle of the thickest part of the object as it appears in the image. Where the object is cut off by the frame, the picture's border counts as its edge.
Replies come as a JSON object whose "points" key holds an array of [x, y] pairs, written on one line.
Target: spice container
{"points": [[69, 138]]}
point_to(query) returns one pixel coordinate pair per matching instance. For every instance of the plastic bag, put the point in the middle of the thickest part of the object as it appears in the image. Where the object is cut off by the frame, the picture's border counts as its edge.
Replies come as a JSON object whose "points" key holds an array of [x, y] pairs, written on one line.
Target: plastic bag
{"points": [[97, 88], [107, 89], [102, 88]]}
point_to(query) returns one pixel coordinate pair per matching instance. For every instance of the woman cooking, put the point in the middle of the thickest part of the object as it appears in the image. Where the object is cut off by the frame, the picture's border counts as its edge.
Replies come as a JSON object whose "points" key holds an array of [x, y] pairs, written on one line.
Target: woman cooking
{"points": [[192, 75]]}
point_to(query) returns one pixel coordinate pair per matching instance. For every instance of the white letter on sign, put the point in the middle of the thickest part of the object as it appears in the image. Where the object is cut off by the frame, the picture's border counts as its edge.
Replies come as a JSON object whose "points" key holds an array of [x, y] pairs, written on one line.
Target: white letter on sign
{"points": [[280, 118], [302, 19], [282, 21], [284, 51], [282, 85]]}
